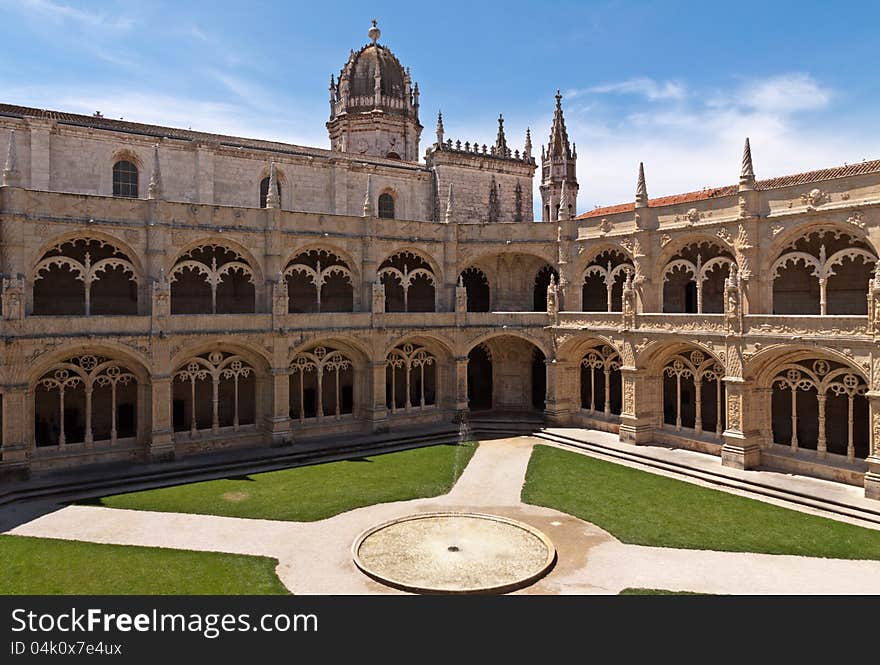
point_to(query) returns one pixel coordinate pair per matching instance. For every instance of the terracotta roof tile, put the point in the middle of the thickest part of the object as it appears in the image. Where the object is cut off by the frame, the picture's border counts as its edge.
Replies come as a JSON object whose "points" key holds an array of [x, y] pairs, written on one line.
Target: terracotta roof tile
{"points": [[771, 183]]}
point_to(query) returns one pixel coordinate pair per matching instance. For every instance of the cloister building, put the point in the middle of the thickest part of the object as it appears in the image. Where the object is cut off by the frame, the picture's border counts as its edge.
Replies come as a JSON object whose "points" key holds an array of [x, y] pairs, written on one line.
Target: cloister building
{"points": [[167, 291]]}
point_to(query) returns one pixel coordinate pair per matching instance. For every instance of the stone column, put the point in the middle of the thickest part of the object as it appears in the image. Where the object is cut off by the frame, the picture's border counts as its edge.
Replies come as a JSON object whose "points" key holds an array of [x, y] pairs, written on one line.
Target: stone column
{"points": [[561, 386], [162, 431], [277, 419], [14, 454], [461, 386], [377, 411], [745, 412], [872, 477], [642, 397]]}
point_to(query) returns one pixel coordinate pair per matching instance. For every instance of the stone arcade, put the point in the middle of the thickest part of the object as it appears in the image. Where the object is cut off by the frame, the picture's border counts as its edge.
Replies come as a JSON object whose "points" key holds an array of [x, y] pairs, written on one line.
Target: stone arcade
{"points": [[167, 291]]}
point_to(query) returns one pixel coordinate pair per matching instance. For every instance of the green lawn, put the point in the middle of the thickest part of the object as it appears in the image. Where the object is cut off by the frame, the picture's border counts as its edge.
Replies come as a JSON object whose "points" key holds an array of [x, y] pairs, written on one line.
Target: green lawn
{"points": [[647, 509], [47, 566], [309, 493]]}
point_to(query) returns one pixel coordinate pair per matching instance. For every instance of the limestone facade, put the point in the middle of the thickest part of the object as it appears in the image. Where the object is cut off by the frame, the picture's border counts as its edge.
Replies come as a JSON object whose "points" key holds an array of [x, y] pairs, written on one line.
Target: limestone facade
{"points": [[236, 292]]}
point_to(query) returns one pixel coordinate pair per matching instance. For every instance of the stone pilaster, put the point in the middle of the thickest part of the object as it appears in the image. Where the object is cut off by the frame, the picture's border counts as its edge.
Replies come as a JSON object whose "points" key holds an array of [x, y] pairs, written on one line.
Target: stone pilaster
{"points": [[641, 403], [561, 387], [742, 437], [377, 411], [14, 454], [162, 434], [277, 421], [461, 389], [872, 477]]}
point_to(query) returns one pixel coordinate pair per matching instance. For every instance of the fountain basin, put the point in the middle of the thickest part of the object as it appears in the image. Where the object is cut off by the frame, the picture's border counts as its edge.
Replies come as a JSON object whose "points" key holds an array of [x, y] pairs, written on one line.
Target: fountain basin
{"points": [[454, 553]]}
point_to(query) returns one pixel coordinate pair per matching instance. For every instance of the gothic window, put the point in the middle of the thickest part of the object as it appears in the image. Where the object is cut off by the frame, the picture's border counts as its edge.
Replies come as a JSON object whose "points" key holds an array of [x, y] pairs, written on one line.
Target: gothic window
{"points": [[411, 378], [319, 281], [125, 179], [264, 190], [693, 393], [600, 381], [321, 384], [409, 283], [542, 281], [693, 280], [821, 405], [85, 276], [824, 272], [212, 279], [87, 399], [477, 287], [603, 282], [212, 391], [386, 206]]}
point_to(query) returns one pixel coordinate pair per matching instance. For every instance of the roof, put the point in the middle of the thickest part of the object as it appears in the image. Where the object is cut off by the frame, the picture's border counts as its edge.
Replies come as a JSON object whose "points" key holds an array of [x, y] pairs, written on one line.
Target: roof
{"points": [[159, 131], [728, 190]]}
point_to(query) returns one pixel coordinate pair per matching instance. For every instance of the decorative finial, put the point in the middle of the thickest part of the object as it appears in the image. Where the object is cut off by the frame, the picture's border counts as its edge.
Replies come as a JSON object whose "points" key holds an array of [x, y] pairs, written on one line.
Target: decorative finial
{"points": [[641, 189], [272, 198], [558, 98], [447, 218], [368, 198], [440, 129], [747, 174], [501, 139], [154, 191], [563, 215], [374, 33], [11, 176], [527, 151]]}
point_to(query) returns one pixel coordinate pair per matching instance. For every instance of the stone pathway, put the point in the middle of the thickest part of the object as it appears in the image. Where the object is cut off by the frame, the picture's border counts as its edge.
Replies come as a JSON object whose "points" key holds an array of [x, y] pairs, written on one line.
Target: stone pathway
{"points": [[315, 557]]}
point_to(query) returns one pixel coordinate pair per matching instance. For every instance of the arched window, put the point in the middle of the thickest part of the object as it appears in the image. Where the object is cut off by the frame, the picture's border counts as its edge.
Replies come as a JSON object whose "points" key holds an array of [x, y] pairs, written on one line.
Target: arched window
{"points": [[214, 390], [85, 276], [542, 281], [411, 378], [409, 283], [693, 280], [600, 381], [603, 282], [319, 281], [693, 392], [264, 190], [821, 405], [321, 384], [386, 206], [823, 272], [212, 279], [125, 179], [477, 287], [85, 400]]}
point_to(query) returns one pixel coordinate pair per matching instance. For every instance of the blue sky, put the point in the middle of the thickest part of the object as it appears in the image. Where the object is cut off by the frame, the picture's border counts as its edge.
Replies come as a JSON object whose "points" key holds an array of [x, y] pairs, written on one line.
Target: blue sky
{"points": [[677, 85]]}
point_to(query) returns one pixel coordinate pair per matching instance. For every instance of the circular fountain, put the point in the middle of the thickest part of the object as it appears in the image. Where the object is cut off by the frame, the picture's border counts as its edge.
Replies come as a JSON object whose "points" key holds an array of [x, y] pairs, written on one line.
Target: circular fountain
{"points": [[454, 553]]}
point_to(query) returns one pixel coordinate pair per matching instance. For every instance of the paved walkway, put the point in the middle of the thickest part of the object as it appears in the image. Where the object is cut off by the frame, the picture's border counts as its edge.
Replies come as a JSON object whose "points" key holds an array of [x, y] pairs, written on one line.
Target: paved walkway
{"points": [[315, 557]]}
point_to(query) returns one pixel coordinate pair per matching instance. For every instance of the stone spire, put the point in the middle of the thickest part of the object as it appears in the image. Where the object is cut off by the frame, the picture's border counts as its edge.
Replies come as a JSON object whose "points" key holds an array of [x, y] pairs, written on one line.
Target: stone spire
{"points": [[368, 199], [11, 175], [558, 166], [527, 151], [563, 205], [332, 96], [747, 174], [440, 128], [559, 146], [416, 98], [449, 204], [272, 198], [641, 189], [154, 191], [500, 139]]}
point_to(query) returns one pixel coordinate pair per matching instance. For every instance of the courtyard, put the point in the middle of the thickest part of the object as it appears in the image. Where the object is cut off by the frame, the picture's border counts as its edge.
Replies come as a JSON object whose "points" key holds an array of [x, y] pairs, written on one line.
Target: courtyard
{"points": [[617, 526]]}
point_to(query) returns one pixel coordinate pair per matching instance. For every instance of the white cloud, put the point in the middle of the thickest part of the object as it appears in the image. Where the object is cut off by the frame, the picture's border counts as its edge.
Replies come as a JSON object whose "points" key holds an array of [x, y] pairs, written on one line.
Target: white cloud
{"points": [[59, 13], [642, 86], [788, 93]]}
